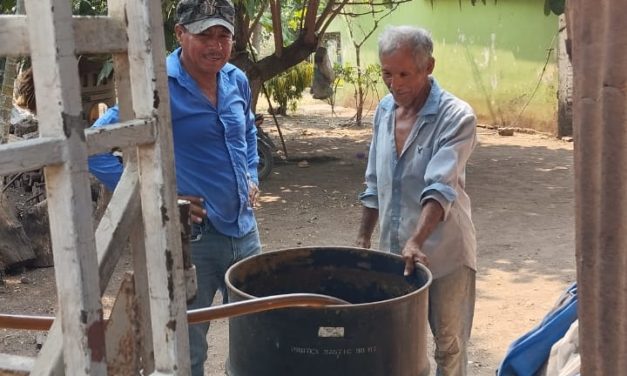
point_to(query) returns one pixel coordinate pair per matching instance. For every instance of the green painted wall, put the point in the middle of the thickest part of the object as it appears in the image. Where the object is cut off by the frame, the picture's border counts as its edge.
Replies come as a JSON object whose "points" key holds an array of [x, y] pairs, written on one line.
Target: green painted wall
{"points": [[492, 56]]}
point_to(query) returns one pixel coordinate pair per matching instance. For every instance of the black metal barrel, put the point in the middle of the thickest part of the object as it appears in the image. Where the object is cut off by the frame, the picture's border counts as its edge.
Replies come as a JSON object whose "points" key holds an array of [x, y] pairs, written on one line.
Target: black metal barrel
{"points": [[381, 333]]}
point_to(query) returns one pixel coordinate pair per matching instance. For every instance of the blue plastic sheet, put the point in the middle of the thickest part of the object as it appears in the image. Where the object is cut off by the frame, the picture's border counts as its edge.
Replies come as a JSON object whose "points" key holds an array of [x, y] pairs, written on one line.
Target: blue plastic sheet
{"points": [[527, 354]]}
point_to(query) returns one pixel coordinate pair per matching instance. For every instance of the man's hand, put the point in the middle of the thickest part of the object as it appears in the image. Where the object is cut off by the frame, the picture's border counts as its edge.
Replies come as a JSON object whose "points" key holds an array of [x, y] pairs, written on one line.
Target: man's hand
{"points": [[369, 219], [412, 254], [253, 194], [196, 209]]}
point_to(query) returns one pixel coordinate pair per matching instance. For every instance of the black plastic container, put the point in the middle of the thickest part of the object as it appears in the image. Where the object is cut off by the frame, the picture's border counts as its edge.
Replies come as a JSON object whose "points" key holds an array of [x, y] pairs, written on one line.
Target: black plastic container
{"points": [[381, 333]]}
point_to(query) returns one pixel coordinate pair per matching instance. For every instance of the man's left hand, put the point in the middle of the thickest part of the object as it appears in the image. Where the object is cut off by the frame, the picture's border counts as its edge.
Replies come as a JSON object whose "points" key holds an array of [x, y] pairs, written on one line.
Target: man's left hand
{"points": [[412, 254]]}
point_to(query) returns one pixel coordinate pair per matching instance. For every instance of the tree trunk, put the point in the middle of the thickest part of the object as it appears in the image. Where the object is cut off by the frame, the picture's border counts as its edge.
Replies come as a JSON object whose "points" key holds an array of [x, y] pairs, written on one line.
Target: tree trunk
{"points": [[273, 65], [15, 247], [360, 88], [37, 228], [565, 84], [599, 56]]}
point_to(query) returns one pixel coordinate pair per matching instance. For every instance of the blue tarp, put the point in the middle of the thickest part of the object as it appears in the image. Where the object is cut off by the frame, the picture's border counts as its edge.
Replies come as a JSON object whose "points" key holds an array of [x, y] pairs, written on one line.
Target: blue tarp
{"points": [[526, 355]]}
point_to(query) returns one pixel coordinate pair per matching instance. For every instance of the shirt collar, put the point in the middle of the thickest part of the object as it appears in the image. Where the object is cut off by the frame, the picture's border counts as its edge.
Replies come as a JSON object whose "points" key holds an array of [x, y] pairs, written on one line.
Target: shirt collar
{"points": [[431, 104], [433, 100]]}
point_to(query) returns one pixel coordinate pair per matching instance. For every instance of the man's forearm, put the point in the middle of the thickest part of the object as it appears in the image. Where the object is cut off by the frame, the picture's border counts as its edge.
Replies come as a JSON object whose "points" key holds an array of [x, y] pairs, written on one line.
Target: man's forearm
{"points": [[431, 215], [369, 219]]}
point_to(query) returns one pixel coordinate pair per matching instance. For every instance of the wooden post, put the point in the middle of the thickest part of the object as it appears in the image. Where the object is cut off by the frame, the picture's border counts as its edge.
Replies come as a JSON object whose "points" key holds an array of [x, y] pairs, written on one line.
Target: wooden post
{"points": [[84, 261], [164, 262], [599, 51], [57, 88]]}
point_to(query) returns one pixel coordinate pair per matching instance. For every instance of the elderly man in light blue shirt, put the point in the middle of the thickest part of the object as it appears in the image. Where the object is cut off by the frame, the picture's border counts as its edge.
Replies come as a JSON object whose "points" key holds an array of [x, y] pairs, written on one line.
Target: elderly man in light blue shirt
{"points": [[415, 187]]}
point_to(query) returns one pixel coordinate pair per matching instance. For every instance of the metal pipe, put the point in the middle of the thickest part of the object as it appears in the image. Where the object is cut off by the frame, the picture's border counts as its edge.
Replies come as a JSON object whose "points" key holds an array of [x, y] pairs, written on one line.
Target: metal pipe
{"points": [[195, 316]]}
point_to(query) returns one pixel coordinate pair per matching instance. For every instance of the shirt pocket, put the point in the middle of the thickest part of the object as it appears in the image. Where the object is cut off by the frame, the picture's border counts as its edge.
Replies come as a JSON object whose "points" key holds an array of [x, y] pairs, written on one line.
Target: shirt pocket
{"points": [[416, 168], [234, 119]]}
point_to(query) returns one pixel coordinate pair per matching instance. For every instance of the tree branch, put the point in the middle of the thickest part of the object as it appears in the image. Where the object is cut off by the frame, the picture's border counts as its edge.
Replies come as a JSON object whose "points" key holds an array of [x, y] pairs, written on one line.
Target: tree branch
{"points": [[275, 9], [310, 20]]}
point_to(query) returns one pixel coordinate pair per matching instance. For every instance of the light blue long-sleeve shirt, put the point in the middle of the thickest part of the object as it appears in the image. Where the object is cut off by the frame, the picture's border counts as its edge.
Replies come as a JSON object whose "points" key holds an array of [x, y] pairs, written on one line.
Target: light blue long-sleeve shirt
{"points": [[432, 165], [215, 149]]}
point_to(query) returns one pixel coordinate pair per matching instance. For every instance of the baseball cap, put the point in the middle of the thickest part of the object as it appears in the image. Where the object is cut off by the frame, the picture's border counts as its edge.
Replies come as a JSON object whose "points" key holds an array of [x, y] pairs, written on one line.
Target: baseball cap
{"points": [[199, 15]]}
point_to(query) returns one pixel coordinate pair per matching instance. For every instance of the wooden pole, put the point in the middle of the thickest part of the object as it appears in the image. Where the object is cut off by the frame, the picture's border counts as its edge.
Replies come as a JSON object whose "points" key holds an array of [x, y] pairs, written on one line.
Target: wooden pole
{"points": [[599, 52]]}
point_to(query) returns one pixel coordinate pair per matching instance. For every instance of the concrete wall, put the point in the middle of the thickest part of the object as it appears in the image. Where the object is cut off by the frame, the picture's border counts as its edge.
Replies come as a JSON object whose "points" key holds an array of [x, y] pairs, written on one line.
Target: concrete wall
{"points": [[494, 56]]}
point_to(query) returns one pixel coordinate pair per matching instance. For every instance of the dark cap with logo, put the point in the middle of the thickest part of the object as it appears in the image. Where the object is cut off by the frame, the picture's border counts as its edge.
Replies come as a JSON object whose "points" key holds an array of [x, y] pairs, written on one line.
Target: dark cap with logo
{"points": [[199, 15]]}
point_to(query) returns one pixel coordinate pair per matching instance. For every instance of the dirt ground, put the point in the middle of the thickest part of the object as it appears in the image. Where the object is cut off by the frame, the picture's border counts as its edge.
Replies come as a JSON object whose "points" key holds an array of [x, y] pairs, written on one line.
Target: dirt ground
{"points": [[522, 193]]}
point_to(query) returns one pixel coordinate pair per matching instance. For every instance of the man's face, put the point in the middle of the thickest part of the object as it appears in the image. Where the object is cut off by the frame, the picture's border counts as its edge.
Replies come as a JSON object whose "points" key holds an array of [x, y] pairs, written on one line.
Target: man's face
{"points": [[405, 79], [206, 52]]}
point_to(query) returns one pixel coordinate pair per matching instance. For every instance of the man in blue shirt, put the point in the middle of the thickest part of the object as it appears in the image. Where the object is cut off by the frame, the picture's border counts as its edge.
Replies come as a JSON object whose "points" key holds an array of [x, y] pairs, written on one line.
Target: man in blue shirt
{"points": [[215, 151], [415, 187]]}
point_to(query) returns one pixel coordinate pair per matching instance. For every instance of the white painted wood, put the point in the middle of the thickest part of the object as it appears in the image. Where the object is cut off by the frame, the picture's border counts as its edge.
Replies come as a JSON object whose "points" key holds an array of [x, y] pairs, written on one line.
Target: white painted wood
{"points": [[13, 365], [57, 88], [111, 235], [119, 220], [49, 361], [30, 154], [93, 35], [75, 342], [122, 135], [13, 36], [117, 10], [99, 34], [162, 234]]}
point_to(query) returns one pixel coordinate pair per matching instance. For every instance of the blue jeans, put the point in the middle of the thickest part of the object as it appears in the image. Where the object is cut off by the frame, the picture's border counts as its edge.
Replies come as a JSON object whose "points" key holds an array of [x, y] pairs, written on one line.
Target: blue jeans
{"points": [[212, 254]]}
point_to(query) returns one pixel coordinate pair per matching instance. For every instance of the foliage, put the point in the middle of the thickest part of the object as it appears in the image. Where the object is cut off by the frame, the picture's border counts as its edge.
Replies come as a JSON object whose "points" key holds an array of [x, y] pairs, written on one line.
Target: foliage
{"points": [[368, 80], [7, 6], [89, 7], [287, 88], [79, 7], [556, 7]]}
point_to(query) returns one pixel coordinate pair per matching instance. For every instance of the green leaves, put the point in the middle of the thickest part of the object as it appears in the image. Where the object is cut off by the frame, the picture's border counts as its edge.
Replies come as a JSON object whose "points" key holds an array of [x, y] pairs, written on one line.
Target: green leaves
{"points": [[287, 88], [89, 7], [7, 6]]}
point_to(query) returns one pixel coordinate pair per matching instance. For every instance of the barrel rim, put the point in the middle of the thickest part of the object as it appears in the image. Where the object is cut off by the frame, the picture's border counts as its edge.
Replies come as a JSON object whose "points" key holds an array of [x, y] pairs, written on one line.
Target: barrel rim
{"points": [[231, 287]]}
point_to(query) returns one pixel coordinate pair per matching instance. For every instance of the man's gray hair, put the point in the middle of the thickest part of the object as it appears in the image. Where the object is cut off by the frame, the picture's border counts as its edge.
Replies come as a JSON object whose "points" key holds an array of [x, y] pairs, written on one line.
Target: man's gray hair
{"points": [[416, 39]]}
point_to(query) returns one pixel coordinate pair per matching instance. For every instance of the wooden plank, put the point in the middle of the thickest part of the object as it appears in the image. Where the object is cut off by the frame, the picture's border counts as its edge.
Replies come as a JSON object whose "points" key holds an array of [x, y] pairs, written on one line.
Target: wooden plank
{"points": [[599, 56], [123, 344], [118, 222], [30, 155], [113, 230], [14, 365], [57, 88], [164, 262], [99, 34], [142, 294], [122, 135], [93, 35], [49, 362], [117, 10], [14, 36]]}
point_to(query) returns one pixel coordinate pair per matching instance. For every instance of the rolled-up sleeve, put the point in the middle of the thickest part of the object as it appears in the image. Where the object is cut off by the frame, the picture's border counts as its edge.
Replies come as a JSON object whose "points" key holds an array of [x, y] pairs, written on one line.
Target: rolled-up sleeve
{"points": [[369, 197], [445, 169], [106, 167]]}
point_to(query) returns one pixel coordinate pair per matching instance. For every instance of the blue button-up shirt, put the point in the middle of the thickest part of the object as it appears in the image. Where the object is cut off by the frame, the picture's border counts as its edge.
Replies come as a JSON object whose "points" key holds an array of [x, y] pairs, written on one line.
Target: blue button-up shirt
{"points": [[432, 165], [215, 149]]}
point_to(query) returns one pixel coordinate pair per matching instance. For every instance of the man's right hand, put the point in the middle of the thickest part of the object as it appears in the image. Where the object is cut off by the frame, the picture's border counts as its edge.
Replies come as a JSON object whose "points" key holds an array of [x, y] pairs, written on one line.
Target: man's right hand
{"points": [[196, 209]]}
